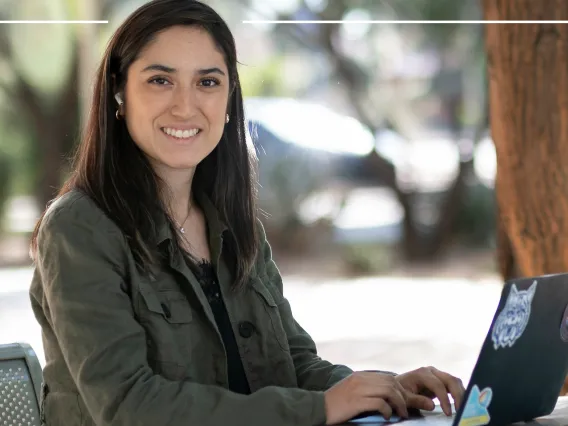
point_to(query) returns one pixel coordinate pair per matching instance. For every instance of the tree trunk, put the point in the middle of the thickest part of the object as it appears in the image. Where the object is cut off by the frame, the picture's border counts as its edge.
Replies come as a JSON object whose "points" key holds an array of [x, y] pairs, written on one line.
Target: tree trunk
{"points": [[56, 132], [528, 84]]}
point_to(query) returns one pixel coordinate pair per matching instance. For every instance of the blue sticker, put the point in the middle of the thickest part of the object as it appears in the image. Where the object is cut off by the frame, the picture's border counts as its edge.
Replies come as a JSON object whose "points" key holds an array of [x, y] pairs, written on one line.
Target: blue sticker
{"points": [[514, 317], [475, 412]]}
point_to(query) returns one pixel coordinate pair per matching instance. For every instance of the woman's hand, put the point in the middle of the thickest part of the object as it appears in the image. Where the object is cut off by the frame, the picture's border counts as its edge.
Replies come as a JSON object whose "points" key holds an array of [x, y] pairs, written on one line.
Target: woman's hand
{"points": [[365, 391], [426, 383]]}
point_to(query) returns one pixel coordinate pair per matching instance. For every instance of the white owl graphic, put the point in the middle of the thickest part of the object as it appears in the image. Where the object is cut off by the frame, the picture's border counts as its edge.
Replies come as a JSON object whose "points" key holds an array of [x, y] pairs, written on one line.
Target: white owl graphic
{"points": [[514, 317]]}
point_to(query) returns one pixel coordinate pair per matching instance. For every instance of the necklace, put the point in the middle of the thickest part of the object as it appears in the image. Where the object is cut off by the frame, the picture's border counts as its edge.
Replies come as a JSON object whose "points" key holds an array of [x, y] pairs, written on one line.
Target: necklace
{"points": [[182, 226]]}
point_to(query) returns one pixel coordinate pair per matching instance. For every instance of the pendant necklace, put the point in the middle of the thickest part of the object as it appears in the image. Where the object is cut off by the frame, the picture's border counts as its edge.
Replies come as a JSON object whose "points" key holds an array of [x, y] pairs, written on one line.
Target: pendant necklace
{"points": [[182, 227]]}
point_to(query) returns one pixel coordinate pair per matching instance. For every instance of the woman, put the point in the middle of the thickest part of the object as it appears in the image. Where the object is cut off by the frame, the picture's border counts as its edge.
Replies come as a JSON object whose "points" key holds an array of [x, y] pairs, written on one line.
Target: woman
{"points": [[154, 284]]}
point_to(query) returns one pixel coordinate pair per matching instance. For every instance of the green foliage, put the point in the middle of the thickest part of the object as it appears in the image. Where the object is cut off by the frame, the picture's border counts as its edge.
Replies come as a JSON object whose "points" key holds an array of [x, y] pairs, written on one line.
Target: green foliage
{"points": [[266, 79], [42, 53], [365, 259]]}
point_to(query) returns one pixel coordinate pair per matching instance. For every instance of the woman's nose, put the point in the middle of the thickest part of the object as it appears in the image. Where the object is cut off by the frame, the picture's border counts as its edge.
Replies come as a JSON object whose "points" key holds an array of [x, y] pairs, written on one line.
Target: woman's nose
{"points": [[184, 103]]}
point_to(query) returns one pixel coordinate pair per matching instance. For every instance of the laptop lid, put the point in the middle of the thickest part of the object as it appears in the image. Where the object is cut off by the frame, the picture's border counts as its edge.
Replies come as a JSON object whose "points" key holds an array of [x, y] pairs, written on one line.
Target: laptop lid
{"points": [[524, 359]]}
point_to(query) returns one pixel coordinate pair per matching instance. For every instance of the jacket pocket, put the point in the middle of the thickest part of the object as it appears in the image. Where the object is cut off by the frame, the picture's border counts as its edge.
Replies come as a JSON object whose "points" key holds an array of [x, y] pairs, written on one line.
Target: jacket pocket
{"points": [[168, 320], [271, 309], [171, 305]]}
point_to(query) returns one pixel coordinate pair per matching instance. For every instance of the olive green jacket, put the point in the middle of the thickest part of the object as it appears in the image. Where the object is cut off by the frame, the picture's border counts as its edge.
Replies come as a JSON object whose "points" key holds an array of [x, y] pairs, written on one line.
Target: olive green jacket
{"points": [[123, 348]]}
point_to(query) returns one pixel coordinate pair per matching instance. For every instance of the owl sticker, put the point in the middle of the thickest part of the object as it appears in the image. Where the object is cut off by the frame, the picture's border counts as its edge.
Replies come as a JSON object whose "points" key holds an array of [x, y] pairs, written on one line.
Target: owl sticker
{"points": [[514, 317]]}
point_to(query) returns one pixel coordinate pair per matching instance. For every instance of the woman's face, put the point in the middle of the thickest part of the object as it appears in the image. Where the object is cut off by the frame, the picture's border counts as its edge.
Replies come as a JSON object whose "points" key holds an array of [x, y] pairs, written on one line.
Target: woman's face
{"points": [[176, 97]]}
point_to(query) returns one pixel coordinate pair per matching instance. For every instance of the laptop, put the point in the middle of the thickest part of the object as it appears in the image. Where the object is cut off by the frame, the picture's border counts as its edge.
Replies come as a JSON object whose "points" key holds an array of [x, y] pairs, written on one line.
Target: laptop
{"points": [[523, 361]]}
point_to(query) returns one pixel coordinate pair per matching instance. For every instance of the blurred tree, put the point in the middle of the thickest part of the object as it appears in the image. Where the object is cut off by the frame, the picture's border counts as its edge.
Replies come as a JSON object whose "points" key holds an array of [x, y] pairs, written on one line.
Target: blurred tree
{"points": [[528, 76], [383, 101], [43, 97], [46, 80]]}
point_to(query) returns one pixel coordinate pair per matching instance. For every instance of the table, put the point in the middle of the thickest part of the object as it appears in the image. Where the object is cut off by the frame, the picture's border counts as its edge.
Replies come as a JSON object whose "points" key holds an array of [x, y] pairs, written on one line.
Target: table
{"points": [[559, 417]]}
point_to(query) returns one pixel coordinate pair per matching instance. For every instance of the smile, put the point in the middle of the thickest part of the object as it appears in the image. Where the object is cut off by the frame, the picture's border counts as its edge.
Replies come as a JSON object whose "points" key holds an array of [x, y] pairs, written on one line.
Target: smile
{"points": [[180, 134]]}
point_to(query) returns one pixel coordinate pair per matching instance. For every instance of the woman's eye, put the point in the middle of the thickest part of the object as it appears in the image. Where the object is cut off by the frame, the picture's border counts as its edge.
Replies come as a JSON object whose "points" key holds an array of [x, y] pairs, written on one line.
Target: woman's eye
{"points": [[159, 81], [209, 82]]}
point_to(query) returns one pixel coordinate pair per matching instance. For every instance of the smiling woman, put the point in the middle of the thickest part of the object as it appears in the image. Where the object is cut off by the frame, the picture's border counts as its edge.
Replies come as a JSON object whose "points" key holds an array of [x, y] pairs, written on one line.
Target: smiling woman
{"points": [[176, 105], [154, 284]]}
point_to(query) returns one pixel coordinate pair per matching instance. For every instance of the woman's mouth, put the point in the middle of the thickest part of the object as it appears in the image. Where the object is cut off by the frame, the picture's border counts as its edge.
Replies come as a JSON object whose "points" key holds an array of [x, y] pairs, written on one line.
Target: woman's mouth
{"points": [[180, 135]]}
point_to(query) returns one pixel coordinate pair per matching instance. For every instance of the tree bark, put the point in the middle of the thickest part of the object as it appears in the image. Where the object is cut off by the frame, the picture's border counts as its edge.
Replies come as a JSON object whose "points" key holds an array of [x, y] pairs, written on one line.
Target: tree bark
{"points": [[528, 89]]}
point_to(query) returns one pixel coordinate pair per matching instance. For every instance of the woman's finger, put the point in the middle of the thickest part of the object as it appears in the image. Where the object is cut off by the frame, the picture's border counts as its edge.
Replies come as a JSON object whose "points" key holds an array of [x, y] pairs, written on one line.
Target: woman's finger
{"points": [[402, 390], [391, 391], [377, 404], [398, 401], [453, 385], [420, 402], [434, 384]]}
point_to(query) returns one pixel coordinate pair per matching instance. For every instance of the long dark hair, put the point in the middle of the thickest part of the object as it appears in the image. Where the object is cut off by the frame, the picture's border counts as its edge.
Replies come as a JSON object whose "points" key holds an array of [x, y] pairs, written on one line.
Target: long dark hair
{"points": [[130, 196]]}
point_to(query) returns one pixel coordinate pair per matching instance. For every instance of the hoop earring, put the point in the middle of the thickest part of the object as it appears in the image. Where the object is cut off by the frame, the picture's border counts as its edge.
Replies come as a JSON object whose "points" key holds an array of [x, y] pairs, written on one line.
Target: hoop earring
{"points": [[227, 119], [118, 115]]}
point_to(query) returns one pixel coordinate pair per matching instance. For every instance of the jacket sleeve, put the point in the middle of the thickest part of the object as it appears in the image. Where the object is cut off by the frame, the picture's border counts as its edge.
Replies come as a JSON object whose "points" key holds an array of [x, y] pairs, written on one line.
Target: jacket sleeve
{"points": [[313, 373], [82, 260]]}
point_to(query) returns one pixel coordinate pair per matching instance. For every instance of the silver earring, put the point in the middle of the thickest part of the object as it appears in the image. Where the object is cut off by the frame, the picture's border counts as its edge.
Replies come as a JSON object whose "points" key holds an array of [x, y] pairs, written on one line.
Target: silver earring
{"points": [[227, 119]]}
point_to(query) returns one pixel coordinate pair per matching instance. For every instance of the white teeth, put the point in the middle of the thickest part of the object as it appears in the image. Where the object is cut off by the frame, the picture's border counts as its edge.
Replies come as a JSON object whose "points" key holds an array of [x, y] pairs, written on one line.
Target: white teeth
{"points": [[182, 134]]}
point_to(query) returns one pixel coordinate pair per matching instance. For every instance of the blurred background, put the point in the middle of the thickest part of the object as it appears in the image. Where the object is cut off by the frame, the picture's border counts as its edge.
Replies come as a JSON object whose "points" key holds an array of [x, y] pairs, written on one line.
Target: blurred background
{"points": [[376, 164]]}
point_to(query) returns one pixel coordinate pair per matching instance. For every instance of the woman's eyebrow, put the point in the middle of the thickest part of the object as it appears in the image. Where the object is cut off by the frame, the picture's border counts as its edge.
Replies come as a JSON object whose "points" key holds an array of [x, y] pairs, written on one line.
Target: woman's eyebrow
{"points": [[170, 70]]}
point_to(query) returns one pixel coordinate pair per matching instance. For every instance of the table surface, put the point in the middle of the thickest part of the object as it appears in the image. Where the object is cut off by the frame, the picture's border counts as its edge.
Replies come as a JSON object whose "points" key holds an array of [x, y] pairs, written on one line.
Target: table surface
{"points": [[559, 417]]}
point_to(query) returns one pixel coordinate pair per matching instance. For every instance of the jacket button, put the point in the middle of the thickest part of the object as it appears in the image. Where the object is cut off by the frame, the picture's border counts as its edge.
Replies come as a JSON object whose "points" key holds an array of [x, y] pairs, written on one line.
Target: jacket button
{"points": [[246, 329]]}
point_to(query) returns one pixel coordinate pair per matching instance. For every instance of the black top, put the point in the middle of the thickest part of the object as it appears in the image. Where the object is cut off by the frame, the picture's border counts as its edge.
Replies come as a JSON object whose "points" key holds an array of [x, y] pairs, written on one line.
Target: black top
{"points": [[205, 273]]}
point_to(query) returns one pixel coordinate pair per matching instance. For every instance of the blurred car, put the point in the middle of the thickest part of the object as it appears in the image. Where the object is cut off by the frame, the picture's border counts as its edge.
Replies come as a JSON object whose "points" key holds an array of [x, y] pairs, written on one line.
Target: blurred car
{"points": [[312, 166]]}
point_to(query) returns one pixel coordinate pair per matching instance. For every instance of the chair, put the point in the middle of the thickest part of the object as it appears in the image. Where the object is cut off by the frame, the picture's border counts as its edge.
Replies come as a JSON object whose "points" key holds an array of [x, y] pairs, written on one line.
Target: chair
{"points": [[20, 385]]}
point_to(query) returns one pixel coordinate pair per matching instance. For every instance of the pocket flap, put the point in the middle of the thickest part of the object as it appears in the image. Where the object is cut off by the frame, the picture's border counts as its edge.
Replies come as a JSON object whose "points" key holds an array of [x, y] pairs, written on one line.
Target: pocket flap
{"points": [[261, 289], [171, 305], [178, 307], [151, 300]]}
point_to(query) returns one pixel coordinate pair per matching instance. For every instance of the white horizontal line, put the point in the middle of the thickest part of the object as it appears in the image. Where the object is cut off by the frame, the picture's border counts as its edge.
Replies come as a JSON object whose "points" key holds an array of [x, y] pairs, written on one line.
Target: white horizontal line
{"points": [[351, 21], [53, 22]]}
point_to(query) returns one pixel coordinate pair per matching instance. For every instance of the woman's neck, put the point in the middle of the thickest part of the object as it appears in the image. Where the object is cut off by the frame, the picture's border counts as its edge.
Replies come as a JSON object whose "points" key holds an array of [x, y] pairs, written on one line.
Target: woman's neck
{"points": [[178, 196]]}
